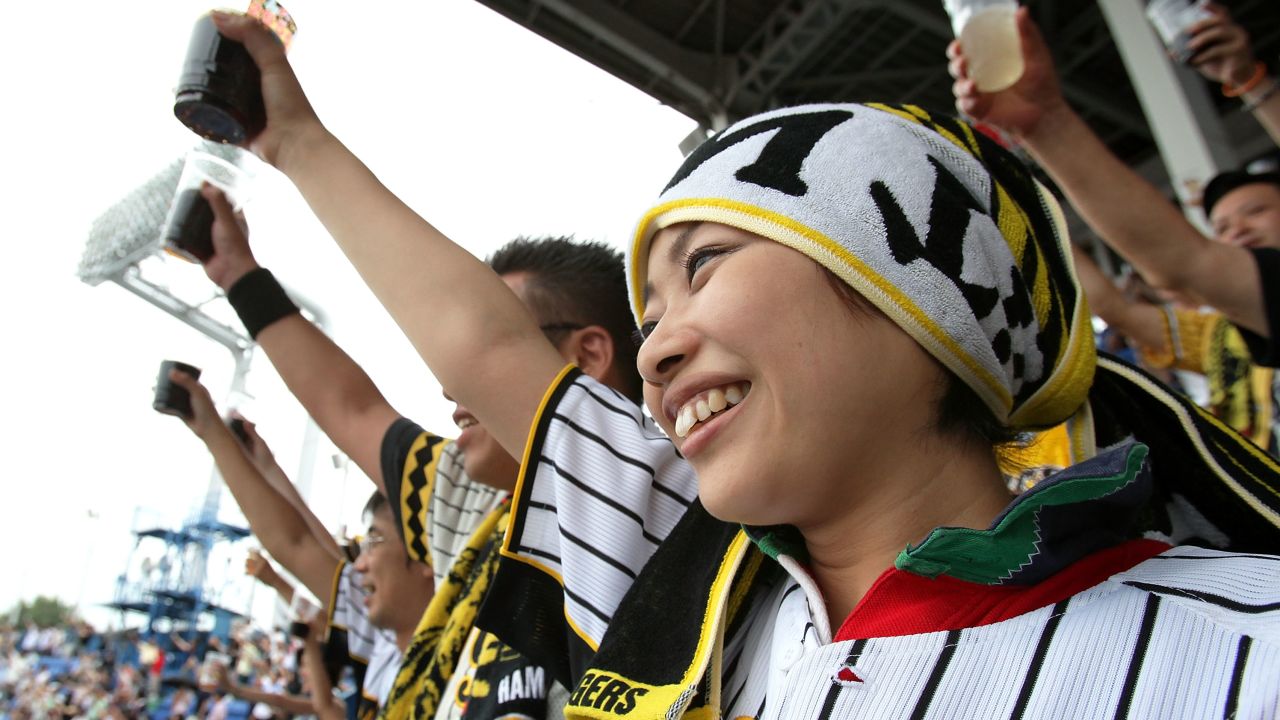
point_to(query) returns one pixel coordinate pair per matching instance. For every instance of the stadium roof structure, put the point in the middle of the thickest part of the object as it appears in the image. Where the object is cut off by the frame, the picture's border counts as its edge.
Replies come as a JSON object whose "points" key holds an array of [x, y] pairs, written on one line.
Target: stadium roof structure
{"points": [[720, 60]]}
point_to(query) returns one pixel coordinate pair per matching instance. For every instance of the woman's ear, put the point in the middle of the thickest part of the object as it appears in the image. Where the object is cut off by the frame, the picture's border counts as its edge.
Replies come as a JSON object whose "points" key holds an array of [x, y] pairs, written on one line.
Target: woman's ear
{"points": [[591, 349]]}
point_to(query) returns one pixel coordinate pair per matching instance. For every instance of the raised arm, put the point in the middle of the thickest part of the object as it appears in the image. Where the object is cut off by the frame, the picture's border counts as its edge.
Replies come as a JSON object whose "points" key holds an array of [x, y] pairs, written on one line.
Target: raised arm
{"points": [[1134, 217], [258, 567], [289, 703], [271, 517], [323, 702], [336, 392], [1221, 51], [475, 335], [265, 462], [1138, 320]]}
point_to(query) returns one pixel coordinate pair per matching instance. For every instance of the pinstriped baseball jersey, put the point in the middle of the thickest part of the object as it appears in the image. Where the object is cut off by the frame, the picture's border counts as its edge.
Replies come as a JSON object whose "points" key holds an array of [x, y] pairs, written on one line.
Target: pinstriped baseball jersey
{"points": [[1190, 633], [1136, 629]]}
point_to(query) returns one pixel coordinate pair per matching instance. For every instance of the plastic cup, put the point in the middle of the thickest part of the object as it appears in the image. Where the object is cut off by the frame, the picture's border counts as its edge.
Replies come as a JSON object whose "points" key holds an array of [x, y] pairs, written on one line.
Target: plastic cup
{"points": [[187, 232], [1171, 18], [172, 399], [988, 34]]}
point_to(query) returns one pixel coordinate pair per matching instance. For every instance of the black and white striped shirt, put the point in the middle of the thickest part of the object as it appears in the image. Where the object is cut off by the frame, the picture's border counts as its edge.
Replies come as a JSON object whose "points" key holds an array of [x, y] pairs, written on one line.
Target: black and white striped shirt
{"points": [[1189, 633]]}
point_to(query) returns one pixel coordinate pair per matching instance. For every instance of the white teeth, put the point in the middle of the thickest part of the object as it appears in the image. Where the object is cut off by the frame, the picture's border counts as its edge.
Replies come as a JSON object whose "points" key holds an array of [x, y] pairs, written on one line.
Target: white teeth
{"points": [[716, 401], [465, 423], [685, 421], [696, 411]]}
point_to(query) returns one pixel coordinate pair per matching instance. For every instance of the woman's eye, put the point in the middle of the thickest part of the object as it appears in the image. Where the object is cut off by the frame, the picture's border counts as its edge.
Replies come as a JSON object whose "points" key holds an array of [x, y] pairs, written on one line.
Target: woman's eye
{"points": [[695, 259]]}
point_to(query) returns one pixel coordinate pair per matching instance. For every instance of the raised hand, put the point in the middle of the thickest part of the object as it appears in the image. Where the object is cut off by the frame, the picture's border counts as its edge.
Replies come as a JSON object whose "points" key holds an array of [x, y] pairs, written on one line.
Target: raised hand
{"points": [[255, 564], [1220, 48], [232, 257], [290, 117], [1020, 108], [204, 420]]}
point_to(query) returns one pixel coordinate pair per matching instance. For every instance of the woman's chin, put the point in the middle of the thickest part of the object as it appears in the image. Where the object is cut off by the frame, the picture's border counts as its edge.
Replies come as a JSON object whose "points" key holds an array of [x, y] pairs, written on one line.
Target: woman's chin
{"points": [[736, 504]]}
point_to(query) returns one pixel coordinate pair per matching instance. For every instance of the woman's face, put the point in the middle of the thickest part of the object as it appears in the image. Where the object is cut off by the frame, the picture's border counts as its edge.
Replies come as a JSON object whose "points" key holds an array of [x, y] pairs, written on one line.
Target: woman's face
{"points": [[826, 395]]}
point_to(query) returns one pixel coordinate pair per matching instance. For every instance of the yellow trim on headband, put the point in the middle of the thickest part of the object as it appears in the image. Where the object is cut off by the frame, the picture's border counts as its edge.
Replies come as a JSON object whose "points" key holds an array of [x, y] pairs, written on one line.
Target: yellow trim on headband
{"points": [[831, 255]]}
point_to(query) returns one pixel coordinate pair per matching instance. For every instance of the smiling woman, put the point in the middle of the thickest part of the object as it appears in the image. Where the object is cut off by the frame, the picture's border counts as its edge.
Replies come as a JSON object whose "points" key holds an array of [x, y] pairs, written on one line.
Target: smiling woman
{"points": [[851, 553]]}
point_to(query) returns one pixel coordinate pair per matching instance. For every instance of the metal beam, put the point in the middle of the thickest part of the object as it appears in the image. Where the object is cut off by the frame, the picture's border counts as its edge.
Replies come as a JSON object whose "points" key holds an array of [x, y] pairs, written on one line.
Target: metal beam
{"points": [[690, 73], [1187, 129], [785, 41]]}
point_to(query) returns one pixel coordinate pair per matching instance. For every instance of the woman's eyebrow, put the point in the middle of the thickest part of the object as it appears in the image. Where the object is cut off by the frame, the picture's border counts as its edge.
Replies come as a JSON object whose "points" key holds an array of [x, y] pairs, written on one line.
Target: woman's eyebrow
{"points": [[675, 253], [679, 248]]}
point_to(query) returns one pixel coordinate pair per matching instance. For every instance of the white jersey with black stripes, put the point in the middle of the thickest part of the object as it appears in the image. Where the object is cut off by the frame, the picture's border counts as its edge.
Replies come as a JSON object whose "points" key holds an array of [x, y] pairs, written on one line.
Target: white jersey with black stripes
{"points": [[1188, 633], [1165, 639]]}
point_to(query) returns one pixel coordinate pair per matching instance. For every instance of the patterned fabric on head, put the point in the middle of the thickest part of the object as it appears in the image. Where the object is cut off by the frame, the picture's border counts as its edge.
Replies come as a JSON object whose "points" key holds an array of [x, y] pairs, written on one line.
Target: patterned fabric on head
{"points": [[951, 237], [948, 234]]}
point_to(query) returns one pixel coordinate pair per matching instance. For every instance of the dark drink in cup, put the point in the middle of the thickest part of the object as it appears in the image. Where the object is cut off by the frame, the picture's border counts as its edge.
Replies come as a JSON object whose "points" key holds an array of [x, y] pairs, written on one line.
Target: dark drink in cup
{"points": [[237, 427], [219, 92], [172, 399], [188, 229]]}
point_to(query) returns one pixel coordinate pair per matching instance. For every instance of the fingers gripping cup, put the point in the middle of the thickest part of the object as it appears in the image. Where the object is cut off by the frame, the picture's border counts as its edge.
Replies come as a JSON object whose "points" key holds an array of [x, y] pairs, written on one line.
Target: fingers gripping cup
{"points": [[1172, 18], [988, 33], [187, 231], [173, 399], [219, 94]]}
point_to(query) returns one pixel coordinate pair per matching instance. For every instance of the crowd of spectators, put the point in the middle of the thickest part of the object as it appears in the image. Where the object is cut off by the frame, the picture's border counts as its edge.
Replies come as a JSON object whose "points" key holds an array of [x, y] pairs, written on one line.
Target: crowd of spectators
{"points": [[76, 671]]}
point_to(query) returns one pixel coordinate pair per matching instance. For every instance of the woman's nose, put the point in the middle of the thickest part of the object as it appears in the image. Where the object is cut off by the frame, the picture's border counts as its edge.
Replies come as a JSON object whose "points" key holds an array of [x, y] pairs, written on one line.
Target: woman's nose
{"points": [[664, 351]]}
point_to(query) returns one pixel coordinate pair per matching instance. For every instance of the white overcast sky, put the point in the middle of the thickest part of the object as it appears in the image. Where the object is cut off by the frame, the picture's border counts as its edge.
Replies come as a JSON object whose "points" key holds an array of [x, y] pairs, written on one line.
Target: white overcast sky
{"points": [[483, 127]]}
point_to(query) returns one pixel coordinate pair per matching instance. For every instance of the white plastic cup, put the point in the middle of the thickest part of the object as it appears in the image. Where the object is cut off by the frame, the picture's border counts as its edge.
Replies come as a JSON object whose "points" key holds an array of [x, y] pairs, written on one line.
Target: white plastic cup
{"points": [[988, 34], [186, 232], [1171, 18]]}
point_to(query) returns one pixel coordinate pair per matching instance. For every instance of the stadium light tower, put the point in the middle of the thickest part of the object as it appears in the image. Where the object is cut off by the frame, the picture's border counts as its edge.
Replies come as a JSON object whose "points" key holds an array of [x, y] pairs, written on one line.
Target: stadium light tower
{"points": [[124, 247]]}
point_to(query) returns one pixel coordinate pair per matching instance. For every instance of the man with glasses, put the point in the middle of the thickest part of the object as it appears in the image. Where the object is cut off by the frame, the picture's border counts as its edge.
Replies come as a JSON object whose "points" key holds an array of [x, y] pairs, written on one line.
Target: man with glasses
{"points": [[451, 499], [373, 604]]}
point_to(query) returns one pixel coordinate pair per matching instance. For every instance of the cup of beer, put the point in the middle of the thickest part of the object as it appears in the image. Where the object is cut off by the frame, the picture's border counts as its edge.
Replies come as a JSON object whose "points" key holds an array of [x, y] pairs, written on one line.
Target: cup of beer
{"points": [[988, 33]]}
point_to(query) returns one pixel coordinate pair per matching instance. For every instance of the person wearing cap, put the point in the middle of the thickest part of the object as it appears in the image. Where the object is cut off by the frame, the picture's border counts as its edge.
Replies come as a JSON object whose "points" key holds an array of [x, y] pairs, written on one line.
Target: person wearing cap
{"points": [[853, 317], [1238, 276]]}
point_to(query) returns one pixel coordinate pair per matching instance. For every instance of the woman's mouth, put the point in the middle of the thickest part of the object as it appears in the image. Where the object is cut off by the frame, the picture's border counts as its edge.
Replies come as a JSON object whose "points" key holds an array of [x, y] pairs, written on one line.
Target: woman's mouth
{"points": [[707, 404]]}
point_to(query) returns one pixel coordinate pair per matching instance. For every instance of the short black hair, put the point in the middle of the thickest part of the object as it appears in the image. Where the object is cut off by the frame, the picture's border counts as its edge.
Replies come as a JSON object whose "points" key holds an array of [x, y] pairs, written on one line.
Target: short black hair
{"points": [[1223, 183], [376, 502], [579, 283]]}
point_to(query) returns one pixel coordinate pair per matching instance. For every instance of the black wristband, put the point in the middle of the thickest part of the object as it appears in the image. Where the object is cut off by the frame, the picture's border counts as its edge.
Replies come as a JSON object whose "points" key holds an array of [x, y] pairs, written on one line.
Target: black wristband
{"points": [[259, 300]]}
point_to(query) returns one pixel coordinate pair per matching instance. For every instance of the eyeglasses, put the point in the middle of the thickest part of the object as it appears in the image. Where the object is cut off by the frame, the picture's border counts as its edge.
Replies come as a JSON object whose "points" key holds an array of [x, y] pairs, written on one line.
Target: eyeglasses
{"points": [[368, 541]]}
